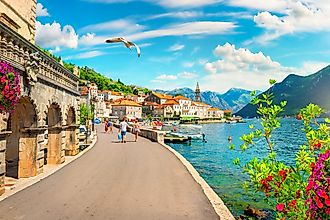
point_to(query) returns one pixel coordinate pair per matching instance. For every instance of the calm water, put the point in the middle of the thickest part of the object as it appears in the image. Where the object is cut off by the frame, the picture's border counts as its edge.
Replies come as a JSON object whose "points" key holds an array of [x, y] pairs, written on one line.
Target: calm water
{"points": [[213, 160]]}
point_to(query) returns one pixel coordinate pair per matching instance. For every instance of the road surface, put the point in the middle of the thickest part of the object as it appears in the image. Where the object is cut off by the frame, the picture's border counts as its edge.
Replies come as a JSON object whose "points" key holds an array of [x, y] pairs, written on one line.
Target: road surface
{"points": [[132, 181]]}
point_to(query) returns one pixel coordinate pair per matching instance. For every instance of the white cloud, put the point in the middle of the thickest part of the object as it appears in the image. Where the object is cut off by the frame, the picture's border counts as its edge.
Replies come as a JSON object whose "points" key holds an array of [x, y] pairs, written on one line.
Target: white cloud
{"points": [[120, 25], [296, 16], [244, 69], [176, 47], [167, 3], [184, 29], [86, 55], [41, 11], [269, 5], [187, 29], [186, 3], [188, 64], [52, 35], [178, 14], [166, 77], [187, 75]]}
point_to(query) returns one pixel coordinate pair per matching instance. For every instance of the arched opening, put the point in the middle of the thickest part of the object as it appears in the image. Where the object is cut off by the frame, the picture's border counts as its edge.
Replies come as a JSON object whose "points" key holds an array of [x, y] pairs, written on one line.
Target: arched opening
{"points": [[21, 146], [54, 146], [71, 148]]}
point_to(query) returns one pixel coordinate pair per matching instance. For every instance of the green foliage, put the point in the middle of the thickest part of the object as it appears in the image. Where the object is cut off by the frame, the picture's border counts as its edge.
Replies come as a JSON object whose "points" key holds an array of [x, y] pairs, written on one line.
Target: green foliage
{"points": [[102, 82], [85, 114], [285, 187]]}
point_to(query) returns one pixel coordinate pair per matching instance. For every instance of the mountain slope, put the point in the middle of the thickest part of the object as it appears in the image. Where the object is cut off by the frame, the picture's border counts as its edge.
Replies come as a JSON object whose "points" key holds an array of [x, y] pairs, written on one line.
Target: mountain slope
{"points": [[234, 99], [299, 91]]}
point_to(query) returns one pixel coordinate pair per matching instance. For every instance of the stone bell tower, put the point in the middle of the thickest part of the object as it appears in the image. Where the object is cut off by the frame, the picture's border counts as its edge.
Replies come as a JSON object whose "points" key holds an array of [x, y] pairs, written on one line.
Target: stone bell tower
{"points": [[197, 94], [20, 16]]}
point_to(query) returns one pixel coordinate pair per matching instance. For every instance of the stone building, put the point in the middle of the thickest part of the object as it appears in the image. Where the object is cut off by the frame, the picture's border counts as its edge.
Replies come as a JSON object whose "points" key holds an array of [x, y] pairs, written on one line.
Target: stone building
{"points": [[126, 108], [49, 102]]}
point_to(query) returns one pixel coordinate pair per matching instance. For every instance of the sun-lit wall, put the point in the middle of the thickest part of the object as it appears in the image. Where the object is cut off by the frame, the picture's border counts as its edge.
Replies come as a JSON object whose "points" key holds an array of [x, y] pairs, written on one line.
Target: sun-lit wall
{"points": [[20, 16]]}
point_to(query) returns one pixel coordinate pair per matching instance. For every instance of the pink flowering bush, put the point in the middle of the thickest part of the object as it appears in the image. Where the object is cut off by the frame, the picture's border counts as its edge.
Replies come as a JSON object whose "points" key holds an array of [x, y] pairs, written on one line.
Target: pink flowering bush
{"points": [[10, 88], [300, 191]]}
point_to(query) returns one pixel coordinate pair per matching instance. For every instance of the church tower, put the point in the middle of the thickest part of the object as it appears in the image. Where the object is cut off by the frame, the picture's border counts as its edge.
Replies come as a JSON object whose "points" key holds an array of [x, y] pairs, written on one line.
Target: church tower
{"points": [[197, 94]]}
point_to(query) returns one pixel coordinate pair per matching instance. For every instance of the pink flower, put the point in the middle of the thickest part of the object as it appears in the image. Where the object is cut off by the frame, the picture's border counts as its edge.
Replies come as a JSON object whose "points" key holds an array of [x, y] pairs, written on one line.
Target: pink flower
{"points": [[280, 207]]}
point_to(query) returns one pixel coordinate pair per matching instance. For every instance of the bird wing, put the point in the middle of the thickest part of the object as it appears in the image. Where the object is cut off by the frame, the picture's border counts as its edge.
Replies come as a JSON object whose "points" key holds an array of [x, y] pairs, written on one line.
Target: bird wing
{"points": [[128, 44], [138, 50]]}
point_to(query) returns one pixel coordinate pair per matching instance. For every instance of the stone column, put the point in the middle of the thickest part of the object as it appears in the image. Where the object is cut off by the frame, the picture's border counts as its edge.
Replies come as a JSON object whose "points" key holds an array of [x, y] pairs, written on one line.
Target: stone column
{"points": [[3, 134]]}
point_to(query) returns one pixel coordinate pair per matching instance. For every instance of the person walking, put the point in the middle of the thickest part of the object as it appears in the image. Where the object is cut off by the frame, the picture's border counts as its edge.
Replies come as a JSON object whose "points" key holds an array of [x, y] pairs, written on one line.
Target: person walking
{"points": [[136, 129], [123, 130], [106, 126], [110, 127]]}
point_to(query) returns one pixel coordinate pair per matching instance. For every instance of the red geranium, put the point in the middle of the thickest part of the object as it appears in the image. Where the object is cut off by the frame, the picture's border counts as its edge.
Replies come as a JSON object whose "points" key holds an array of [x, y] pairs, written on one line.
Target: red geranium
{"points": [[10, 87]]}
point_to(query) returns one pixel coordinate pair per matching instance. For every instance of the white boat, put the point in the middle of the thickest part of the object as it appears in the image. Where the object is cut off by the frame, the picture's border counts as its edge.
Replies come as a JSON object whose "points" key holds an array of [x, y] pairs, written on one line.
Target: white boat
{"points": [[191, 136], [191, 126]]}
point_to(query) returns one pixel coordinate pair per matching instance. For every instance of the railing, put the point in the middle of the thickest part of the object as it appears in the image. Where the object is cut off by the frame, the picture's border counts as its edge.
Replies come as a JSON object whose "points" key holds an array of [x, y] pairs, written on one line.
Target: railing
{"points": [[17, 51]]}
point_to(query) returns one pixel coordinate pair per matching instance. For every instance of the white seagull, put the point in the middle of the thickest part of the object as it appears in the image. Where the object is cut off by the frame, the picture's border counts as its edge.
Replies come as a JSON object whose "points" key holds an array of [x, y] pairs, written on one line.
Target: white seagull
{"points": [[127, 43]]}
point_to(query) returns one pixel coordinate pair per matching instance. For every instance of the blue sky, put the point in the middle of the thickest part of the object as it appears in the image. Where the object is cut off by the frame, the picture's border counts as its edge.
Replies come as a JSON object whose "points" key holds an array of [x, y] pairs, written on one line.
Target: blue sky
{"points": [[219, 43]]}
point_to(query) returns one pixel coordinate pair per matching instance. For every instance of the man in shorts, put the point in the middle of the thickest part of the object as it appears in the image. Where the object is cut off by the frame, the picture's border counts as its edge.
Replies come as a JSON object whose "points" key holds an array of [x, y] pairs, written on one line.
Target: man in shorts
{"points": [[123, 130]]}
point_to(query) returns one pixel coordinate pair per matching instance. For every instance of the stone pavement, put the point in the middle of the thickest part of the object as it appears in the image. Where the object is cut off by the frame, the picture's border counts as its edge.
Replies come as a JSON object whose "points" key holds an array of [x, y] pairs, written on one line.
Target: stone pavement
{"points": [[134, 181]]}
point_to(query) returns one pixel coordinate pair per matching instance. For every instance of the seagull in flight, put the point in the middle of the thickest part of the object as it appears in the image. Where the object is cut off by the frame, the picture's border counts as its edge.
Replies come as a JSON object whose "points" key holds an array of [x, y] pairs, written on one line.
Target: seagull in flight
{"points": [[127, 43]]}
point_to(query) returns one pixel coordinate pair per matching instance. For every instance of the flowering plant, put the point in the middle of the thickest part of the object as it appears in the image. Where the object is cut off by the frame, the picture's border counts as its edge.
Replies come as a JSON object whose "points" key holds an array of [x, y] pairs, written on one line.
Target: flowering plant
{"points": [[299, 191], [10, 87]]}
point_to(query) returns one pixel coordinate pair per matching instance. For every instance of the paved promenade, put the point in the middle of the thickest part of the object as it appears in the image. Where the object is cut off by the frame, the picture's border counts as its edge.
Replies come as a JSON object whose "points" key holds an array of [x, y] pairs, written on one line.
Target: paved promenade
{"points": [[132, 181]]}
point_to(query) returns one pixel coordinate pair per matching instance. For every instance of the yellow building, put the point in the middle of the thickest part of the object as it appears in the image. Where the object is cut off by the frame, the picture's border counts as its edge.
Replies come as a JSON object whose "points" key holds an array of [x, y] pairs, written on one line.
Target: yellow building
{"points": [[20, 16]]}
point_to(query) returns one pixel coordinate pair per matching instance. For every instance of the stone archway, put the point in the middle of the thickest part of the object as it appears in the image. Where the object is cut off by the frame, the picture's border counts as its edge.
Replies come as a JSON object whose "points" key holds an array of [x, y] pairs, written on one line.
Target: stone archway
{"points": [[71, 145], [21, 152], [54, 146]]}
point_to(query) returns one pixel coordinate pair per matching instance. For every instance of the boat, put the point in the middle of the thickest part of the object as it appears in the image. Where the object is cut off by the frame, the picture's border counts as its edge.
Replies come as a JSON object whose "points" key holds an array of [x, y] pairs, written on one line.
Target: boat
{"points": [[191, 126], [189, 136]]}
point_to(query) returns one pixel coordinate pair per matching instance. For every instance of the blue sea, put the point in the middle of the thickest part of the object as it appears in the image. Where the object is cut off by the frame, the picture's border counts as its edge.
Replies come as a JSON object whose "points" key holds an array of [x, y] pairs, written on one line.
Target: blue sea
{"points": [[214, 161]]}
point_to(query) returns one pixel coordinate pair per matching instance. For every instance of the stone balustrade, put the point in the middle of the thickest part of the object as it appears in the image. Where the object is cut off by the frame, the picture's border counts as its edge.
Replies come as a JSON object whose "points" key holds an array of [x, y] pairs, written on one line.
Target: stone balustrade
{"points": [[17, 51]]}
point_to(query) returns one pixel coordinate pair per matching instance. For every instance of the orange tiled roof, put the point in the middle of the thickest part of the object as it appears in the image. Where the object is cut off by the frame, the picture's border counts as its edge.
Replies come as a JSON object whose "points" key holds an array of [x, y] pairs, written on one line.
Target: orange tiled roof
{"points": [[200, 104], [171, 102], [180, 97], [213, 109], [84, 90], [126, 102], [227, 111], [162, 96]]}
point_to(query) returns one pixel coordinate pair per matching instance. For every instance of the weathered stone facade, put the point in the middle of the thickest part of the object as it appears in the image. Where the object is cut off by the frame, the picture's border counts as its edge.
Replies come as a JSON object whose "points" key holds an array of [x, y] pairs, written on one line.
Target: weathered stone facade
{"points": [[48, 107], [20, 15]]}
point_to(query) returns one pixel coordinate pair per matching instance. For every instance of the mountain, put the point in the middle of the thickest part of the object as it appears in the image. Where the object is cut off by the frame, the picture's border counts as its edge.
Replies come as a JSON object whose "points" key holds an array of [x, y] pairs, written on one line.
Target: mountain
{"points": [[299, 91], [234, 99]]}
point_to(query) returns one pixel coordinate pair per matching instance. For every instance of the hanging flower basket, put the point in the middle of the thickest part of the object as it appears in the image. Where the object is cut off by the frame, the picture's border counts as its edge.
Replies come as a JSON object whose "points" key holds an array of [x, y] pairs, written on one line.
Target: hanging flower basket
{"points": [[10, 88]]}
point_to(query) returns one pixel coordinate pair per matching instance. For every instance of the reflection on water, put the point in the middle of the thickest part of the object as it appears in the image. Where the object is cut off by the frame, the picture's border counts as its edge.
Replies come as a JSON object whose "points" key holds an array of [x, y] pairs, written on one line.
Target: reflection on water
{"points": [[213, 160]]}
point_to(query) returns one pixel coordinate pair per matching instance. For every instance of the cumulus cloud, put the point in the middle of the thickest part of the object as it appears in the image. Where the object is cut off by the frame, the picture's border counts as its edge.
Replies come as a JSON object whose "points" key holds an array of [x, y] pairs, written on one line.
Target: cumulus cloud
{"points": [[185, 79], [166, 77], [41, 11], [187, 75], [176, 47], [245, 69], [296, 16], [52, 35]]}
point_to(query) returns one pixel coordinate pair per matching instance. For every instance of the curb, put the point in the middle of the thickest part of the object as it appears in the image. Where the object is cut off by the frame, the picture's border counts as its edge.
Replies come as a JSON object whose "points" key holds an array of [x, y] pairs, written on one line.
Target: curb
{"points": [[45, 175], [216, 202]]}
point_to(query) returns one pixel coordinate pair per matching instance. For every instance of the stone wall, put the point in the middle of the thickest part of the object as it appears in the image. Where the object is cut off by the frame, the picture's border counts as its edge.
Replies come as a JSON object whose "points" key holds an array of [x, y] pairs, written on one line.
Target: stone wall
{"points": [[44, 84], [21, 12]]}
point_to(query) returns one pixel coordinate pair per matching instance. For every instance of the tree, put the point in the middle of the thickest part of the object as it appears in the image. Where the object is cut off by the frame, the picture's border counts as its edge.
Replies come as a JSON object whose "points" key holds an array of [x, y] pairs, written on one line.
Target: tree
{"points": [[300, 191]]}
